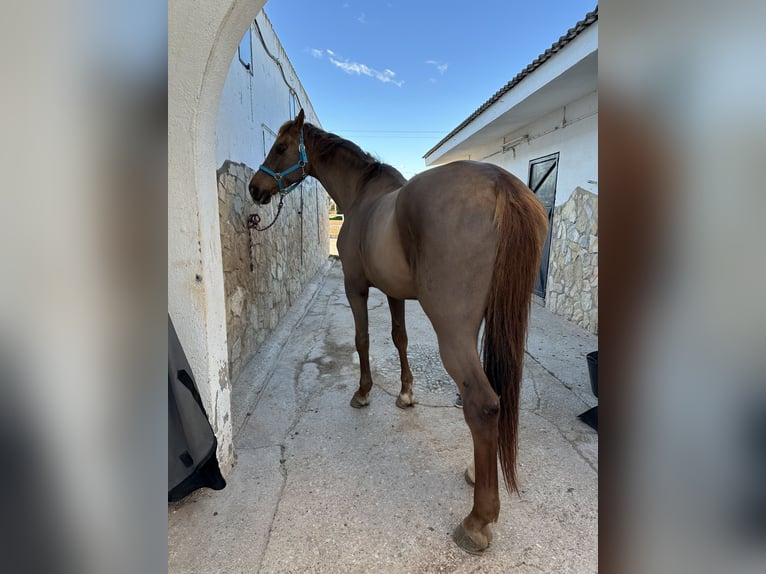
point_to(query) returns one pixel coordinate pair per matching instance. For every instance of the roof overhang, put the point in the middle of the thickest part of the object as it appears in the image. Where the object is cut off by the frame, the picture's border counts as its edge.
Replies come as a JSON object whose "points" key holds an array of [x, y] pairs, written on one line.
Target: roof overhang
{"points": [[566, 76]]}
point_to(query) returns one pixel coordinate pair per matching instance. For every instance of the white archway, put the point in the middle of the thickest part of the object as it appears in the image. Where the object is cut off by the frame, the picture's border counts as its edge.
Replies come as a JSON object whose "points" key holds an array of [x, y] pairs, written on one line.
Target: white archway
{"points": [[202, 40]]}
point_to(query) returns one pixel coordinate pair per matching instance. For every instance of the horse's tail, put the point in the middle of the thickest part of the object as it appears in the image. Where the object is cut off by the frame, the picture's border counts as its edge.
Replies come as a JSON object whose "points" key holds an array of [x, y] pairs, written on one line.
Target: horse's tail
{"points": [[522, 225]]}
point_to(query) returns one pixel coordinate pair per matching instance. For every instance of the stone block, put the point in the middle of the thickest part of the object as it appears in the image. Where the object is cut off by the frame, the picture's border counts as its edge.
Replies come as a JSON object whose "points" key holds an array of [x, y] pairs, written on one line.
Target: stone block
{"points": [[573, 263], [256, 300], [236, 300]]}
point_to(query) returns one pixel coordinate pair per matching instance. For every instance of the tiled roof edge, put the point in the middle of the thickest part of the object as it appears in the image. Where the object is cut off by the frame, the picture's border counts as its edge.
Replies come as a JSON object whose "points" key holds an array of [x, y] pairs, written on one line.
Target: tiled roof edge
{"points": [[571, 34]]}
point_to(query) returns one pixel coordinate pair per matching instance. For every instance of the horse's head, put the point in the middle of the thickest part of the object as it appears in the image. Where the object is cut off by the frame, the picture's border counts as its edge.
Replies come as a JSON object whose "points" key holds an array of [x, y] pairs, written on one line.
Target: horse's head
{"points": [[284, 166]]}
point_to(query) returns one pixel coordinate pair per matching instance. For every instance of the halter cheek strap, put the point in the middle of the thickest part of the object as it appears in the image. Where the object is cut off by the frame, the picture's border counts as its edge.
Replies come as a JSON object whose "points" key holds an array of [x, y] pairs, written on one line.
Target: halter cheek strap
{"points": [[278, 175]]}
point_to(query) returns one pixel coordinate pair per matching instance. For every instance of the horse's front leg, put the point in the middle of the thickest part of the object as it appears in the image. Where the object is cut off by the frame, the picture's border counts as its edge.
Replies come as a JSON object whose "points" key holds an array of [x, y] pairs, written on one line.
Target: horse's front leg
{"points": [[357, 294], [399, 335]]}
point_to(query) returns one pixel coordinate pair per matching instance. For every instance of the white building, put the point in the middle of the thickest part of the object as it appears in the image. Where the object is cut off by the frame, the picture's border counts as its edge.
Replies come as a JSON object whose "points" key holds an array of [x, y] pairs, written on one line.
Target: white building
{"points": [[542, 126], [231, 87]]}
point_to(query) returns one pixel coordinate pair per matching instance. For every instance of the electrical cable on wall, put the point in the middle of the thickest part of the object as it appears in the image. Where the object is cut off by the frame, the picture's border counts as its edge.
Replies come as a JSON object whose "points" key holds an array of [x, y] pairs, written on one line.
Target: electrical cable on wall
{"points": [[277, 62], [294, 94]]}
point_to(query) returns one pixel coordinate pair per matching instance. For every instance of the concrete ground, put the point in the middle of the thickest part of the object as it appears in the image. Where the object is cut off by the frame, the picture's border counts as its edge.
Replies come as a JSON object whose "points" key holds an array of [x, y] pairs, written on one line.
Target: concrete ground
{"points": [[321, 487]]}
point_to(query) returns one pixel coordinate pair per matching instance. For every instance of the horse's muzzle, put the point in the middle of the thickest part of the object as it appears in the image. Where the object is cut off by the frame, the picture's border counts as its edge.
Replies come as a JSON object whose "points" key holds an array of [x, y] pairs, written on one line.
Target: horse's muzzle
{"points": [[260, 196]]}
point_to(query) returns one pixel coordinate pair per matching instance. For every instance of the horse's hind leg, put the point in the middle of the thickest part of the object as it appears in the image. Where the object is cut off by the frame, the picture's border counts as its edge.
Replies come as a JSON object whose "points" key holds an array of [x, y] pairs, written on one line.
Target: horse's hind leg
{"points": [[399, 335], [481, 408], [357, 295]]}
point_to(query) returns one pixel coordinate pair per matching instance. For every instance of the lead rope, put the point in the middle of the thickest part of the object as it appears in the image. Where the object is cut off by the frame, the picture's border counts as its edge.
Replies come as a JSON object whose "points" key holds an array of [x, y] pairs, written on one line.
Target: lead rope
{"points": [[254, 222]]}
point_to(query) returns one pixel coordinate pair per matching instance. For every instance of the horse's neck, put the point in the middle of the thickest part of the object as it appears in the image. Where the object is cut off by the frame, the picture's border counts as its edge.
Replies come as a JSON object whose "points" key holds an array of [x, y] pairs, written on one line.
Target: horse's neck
{"points": [[336, 172], [339, 184]]}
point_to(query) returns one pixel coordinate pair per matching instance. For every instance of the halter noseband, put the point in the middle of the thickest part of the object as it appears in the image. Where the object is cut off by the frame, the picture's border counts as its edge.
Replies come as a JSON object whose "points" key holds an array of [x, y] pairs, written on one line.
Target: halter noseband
{"points": [[278, 175]]}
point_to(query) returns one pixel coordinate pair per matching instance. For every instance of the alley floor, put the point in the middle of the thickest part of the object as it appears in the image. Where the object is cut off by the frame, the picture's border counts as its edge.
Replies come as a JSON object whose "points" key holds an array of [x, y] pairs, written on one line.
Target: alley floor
{"points": [[321, 487]]}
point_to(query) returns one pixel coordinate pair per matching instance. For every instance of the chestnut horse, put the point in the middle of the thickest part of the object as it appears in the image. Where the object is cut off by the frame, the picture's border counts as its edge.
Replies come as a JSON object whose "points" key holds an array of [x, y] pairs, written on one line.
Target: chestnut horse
{"points": [[464, 239]]}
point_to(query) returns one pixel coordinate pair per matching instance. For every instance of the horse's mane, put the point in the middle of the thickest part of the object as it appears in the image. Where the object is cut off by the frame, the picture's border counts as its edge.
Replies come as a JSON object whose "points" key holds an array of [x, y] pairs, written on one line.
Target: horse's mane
{"points": [[326, 144]]}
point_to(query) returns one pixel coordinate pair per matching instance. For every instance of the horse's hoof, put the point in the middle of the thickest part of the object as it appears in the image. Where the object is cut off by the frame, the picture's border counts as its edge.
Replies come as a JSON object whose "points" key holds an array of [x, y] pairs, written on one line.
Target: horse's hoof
{"points": [[476, 543], [487, 532], [357, 403], [470, 475], [404, 402]]}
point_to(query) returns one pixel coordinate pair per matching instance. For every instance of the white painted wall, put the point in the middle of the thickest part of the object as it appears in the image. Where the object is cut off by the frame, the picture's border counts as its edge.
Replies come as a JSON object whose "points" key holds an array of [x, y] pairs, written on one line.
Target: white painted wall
{"points": [[576, 141], [250, 101], [206, 108], [201, 41]]}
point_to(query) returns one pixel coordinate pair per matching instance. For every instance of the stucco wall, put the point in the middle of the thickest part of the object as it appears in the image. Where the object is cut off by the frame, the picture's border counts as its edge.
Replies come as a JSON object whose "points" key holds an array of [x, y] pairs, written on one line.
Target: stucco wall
{"points": [[256, 104], [201, 42]]}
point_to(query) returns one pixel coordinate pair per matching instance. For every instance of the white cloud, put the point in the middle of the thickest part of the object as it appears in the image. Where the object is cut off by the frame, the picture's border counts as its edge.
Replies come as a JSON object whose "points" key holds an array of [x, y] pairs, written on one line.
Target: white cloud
{"points": [[362, 19], [441, 66], [316, 53], [387, 76]]}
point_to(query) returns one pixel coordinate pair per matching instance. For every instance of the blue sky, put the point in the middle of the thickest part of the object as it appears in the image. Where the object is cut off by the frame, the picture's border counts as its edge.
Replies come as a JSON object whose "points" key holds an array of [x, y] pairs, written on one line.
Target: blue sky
{"points": [[395, 76]]}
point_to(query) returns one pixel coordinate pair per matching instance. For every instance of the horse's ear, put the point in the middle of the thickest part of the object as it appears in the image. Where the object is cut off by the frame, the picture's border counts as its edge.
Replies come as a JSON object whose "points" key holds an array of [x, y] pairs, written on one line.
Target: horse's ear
{"points": [[298, 123]]}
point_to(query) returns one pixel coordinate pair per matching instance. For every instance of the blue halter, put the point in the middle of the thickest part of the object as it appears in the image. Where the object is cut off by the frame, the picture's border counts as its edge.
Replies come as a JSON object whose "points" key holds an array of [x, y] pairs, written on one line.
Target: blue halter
{"points": [[302, 161]]}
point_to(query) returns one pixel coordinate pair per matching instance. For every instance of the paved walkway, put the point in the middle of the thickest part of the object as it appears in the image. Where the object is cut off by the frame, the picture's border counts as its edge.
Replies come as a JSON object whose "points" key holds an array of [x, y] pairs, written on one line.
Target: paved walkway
{"points": [[322, 487]]}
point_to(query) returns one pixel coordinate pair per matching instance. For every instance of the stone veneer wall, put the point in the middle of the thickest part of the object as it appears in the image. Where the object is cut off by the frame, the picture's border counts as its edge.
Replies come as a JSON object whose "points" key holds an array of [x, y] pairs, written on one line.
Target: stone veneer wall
{"points": [[572, 289], [284, 257]]}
